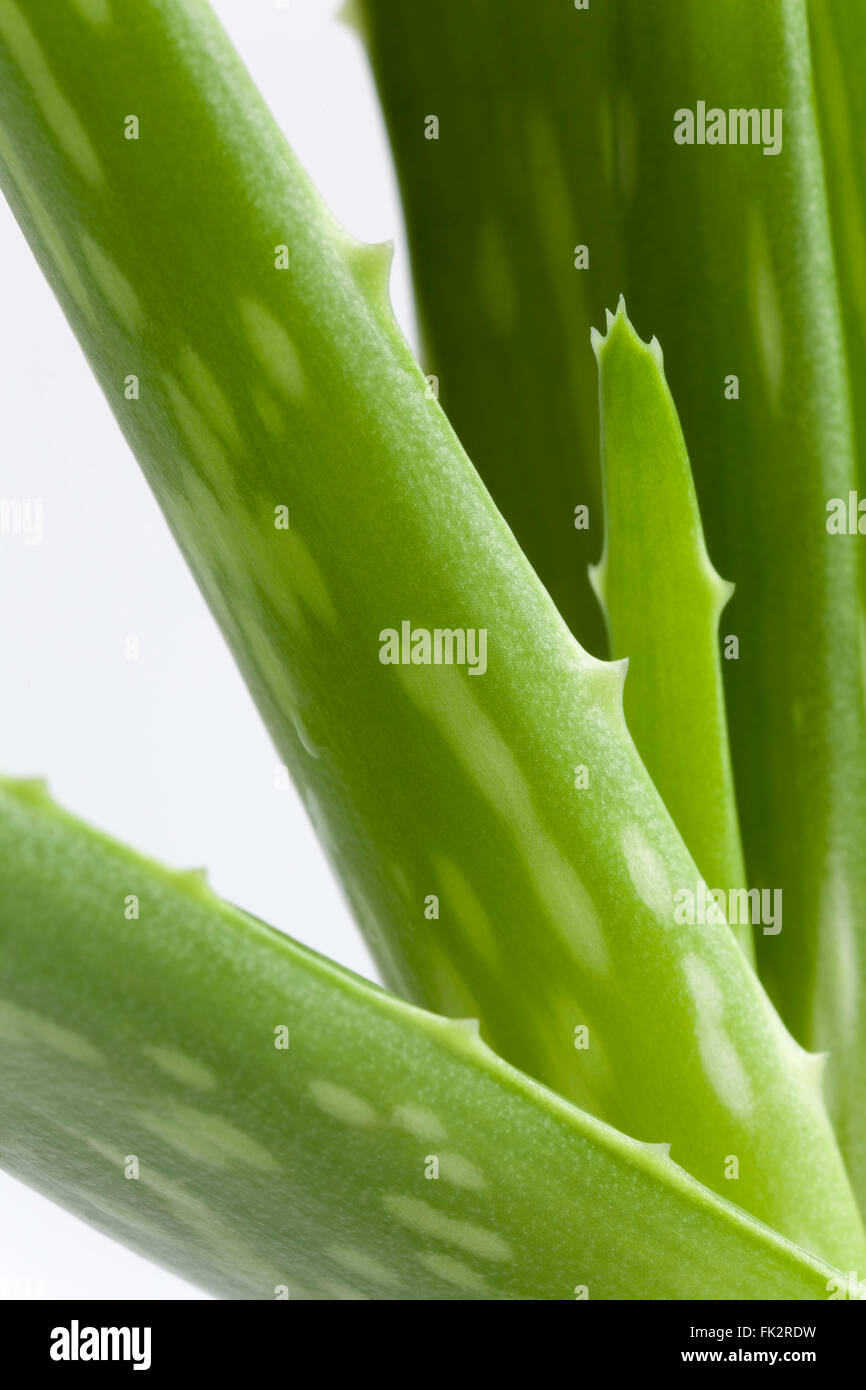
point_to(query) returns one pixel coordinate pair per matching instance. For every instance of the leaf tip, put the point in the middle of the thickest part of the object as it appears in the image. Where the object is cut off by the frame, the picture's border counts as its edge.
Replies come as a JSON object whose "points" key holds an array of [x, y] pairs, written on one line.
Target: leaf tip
{"points": [[612, 321], [351, 14], [619, 323]]}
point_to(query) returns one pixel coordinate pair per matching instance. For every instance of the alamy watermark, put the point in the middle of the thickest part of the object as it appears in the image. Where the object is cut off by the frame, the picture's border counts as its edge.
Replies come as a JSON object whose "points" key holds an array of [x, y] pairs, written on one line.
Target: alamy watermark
{"points": [[22, 517], [21, 1288], [737, 126], [77, 1343], [438, 646], [701, 905], [846, 516]]}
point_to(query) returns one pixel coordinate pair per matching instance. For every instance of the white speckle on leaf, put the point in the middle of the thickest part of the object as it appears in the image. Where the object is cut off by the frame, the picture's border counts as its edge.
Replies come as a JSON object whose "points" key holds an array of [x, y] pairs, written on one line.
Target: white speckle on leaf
{"points": [[307, 578], [459, 1170], [453, 1272], [703, 986], [724, 1067], [200, 438], [460, 900], [56, 110], [209, 398], [273, 347], [720, 1058], [184, 1069], [113, 283], [443, 695], [343, 1105], [24, 1027], [427, 1220], [648, 873], [52, 240], [206, 1138], [419, 1123], [364, 1265]]}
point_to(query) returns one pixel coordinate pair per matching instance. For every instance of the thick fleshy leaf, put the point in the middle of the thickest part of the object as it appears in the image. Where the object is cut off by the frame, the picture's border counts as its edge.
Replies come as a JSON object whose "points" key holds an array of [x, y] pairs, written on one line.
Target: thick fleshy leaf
{"points": [[493, 825], [663, 600], [513, 233], [838, 33], [725, 249], [748, 289], [259, 1120]]}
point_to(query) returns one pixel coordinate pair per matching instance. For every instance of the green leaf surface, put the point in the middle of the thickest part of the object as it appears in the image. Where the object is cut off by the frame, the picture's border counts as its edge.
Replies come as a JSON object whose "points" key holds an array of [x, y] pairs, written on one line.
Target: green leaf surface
{"points": [[739, 262], [663, 599], [497, 208], [748, 285], [146, 1045], [838, 33], [262, 388]]}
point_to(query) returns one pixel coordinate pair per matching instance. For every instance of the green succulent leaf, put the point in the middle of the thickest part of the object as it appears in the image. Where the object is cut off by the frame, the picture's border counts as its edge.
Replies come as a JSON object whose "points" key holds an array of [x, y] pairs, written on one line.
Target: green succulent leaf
{"points": [[663, 599], [838, 34], [738, 259], [248, 1114], [513, 231], [752, 291], [247, 348]]}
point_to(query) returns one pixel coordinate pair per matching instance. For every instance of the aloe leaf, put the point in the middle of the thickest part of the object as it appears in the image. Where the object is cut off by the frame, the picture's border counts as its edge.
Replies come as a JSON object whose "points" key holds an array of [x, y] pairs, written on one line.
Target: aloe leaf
{"points": [[838, 34], [382, 1153], [832, 996], [748, 287], [663, 601], [491, 880], [728, 254], [502, 208]]}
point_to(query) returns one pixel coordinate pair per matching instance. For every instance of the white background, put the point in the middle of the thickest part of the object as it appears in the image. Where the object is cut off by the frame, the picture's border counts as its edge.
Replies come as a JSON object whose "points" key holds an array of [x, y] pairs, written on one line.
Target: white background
{"points": [[167, 752]]}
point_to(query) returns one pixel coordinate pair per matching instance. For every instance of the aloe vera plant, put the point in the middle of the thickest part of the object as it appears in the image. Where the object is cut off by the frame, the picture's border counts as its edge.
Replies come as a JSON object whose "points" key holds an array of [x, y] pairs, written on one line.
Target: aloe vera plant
{"points": [[272, 1105], [747, 267], [514, 842]]}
